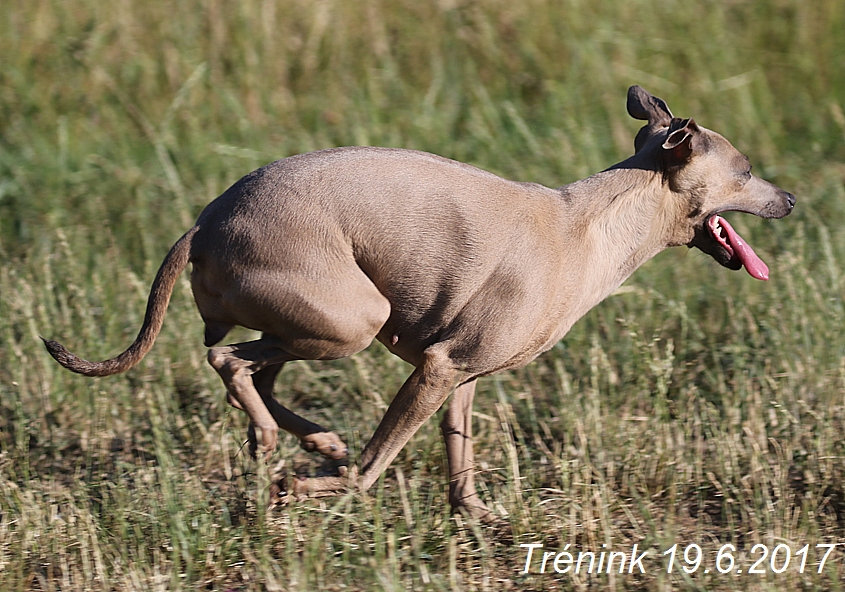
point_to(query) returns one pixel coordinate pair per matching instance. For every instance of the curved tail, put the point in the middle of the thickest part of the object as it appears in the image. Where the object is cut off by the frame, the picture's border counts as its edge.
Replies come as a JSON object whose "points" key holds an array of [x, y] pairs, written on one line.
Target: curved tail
{"points": [[173, 264]]}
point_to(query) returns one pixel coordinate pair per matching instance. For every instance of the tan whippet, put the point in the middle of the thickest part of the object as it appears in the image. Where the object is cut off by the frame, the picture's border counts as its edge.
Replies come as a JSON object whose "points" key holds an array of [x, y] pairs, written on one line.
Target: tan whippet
{"points": [[455, 270]]}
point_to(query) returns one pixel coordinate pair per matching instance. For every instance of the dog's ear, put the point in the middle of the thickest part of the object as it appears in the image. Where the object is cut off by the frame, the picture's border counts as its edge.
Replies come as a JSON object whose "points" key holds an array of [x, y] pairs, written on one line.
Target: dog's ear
{"points": [[680, 143], [644, 105]]}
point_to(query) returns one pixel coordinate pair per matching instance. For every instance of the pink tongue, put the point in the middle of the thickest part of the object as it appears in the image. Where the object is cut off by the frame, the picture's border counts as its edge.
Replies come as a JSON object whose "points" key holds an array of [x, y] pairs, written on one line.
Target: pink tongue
{"points": [[753, 264]]}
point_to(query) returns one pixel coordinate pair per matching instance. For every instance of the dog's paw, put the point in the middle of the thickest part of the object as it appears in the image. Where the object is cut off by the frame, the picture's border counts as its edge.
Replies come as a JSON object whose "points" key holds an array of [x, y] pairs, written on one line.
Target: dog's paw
{"points": [[328, 444]]}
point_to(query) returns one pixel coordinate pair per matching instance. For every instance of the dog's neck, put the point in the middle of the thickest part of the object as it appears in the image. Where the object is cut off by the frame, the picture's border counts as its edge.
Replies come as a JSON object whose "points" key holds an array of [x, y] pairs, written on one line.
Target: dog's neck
{"points": [[628, 216]]}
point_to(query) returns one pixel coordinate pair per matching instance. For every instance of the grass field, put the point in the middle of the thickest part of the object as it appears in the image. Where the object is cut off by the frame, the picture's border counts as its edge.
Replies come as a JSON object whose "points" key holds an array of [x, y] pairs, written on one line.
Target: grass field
{"points": [[695, 406]]}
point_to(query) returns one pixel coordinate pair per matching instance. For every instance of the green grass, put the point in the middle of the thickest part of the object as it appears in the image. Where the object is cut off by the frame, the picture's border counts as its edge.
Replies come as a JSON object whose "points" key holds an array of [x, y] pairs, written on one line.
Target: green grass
{"points": [[695, 406]]}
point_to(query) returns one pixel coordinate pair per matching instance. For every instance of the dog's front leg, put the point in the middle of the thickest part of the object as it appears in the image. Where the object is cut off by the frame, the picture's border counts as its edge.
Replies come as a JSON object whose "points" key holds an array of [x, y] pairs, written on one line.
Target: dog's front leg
{"points": [[420, 397], [456, 427]]}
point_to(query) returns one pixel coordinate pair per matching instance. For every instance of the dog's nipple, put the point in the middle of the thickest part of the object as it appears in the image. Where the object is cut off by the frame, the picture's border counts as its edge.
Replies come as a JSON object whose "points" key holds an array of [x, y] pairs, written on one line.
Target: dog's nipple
{"points": [[394, 340]]}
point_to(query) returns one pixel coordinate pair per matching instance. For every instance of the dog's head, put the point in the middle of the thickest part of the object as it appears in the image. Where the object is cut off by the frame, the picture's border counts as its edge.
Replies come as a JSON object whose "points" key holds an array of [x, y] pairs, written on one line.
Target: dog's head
{"points": [[708, 177]]}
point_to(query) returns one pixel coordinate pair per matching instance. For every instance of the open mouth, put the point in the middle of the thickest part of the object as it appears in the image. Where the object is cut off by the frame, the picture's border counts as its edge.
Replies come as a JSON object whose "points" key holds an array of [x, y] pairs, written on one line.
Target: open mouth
{"points": [[736, 247]]}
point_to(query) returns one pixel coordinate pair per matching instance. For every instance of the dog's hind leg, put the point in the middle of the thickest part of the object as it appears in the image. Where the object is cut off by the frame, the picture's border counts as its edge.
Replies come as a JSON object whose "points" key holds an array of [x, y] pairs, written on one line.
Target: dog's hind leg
{"points": [[456, 427], [236, 364], [248, 371], [312, 437]]}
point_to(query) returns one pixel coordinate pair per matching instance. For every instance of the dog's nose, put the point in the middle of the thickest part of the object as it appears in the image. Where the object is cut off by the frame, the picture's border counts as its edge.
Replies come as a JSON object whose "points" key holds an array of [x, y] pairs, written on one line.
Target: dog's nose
{"points": [[790, 199]]}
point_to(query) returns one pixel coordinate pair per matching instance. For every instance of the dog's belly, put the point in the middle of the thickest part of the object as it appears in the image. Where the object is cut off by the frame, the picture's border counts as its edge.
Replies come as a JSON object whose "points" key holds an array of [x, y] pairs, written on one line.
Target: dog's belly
{"points": [[502, 323]]}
